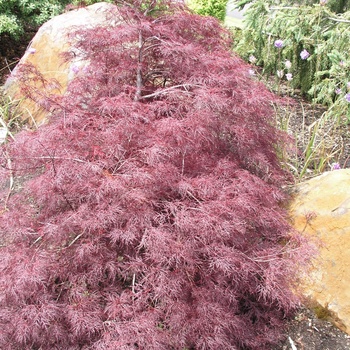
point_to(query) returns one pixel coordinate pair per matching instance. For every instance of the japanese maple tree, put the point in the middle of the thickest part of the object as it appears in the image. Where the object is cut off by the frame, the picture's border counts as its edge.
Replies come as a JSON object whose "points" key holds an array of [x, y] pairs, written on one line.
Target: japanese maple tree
{"points": [[147, 213]]}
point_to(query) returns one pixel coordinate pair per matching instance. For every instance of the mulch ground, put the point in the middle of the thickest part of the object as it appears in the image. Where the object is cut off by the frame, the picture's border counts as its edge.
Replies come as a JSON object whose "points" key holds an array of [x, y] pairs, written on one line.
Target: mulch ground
{"points": [[308, 332]]}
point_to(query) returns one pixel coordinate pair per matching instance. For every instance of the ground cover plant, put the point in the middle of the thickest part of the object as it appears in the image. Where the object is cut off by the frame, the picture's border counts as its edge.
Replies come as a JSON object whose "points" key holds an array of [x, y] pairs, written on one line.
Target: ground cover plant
{"points": [[147, 213]]}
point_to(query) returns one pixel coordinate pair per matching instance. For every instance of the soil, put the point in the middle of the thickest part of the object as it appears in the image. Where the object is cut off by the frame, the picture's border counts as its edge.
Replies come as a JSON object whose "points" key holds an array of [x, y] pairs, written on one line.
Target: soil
{"points": [[308, 332], [305, 331]]}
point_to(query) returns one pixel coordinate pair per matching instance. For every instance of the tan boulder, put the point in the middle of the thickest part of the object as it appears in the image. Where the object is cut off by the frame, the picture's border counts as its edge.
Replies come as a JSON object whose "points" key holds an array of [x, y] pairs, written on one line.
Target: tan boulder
{"points": [[321, 210], [45, 54]]}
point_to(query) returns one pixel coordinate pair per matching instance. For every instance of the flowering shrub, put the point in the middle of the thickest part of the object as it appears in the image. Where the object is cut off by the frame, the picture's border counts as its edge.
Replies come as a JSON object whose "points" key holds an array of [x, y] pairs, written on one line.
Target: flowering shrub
{"points": [[315, 42], [147, 213]]}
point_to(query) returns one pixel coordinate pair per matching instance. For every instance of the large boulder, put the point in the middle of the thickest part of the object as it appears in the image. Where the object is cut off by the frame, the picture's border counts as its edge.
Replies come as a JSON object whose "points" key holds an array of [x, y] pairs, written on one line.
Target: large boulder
{"points": [[45, 54], [321, 209]]}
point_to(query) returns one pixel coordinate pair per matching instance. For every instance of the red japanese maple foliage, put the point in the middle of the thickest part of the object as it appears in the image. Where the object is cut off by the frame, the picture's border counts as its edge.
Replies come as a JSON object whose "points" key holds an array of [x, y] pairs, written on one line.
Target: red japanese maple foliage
{"points": [[148, 211]]}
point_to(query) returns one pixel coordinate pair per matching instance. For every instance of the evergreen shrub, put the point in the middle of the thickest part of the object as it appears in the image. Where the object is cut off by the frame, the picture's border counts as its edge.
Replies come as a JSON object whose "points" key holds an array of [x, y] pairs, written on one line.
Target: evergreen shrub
{"points": [[17, 16], [147, 213], [324, 75], [214, 8]]}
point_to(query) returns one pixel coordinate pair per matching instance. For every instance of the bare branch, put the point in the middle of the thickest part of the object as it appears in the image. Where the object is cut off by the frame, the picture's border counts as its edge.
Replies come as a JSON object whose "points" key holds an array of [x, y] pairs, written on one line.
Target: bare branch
{"points": [[284, 8], [165, 91], [139, 82], [339, 20]]}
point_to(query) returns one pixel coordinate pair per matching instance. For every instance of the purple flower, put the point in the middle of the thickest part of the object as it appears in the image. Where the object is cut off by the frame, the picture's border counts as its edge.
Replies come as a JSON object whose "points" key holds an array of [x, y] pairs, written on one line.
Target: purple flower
{"points": [[251, 72], [342, 64], [279, 43], [323, 2], [347, 97], [75, 69], [288, 64], [348, 85], [252, 59], [338, 91], [289, 76], [336, 166], [304, 54], [32, 50]]}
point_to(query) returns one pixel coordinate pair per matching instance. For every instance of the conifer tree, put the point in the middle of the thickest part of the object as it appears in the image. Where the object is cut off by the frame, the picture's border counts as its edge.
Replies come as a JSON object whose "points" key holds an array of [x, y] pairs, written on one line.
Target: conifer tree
{"points": [[147, 213]]}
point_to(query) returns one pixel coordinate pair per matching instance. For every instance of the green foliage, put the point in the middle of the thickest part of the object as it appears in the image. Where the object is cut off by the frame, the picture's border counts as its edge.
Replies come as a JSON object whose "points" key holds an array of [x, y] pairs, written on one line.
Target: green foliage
{"points": [[214, 8], [324, 34], [337, 6], [318, 144], [9, 24], [17, 15], [10, 117]]}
